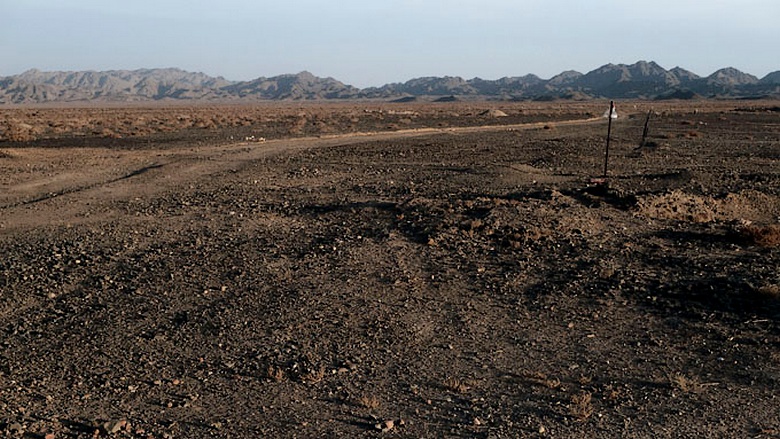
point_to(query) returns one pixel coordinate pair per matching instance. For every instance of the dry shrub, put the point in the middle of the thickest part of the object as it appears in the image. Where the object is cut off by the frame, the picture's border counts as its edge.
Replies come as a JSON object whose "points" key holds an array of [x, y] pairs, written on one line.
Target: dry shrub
{"points": [[206, 124], [275, 373], [612, 394], [369, 402], [685, 384], [581, 406], [108, 133], [456, 385], [541, 379], [762, 236], [21, 132]]}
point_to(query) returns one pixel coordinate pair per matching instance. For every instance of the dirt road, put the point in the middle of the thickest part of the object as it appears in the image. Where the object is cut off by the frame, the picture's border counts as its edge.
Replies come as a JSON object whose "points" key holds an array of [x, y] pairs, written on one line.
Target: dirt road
{"points": [[89, 175]]}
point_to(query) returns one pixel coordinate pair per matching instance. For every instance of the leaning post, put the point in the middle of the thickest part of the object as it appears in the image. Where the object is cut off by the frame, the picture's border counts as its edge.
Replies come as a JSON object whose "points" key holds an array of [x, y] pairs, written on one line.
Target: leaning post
{"points": [[609, 135], [646, 130]]}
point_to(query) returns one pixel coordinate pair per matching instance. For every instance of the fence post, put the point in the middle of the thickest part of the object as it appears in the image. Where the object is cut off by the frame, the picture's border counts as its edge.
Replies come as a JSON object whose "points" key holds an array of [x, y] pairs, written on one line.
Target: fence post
{"points": [[609, 135]]}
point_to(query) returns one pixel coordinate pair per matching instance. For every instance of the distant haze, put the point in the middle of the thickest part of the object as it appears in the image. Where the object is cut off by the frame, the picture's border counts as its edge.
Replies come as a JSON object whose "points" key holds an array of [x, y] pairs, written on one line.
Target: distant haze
{"points": [[371, 43]]}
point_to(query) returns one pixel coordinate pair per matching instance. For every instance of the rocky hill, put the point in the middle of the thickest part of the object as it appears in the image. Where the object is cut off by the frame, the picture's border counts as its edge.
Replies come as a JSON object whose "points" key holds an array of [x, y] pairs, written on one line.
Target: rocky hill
{"points": [[772, 78], [642, 80], [730, 77], [34, 86], [303, 86]]}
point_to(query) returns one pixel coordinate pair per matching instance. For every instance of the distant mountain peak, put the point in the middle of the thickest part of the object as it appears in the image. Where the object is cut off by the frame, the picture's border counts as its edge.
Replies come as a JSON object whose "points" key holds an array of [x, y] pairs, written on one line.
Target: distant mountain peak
{"points": [[684, 75], [772, 78], [730, 76]]}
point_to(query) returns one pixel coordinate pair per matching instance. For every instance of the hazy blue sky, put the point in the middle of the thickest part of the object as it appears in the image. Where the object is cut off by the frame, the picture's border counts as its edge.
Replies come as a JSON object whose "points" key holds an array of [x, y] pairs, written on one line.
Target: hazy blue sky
{"points": [[373, 42]]}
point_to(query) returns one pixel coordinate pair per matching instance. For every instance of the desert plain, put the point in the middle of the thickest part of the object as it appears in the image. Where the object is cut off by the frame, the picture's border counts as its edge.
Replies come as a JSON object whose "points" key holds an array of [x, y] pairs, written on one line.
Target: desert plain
{"points": [[371, 269]]}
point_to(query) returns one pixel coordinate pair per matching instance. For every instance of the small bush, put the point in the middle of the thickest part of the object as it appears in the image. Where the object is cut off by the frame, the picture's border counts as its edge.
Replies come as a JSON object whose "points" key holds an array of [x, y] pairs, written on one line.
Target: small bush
{"points": [[369, 402], [456, 385], [685, 384], [581, 406], [541, 379], [275, 373]]}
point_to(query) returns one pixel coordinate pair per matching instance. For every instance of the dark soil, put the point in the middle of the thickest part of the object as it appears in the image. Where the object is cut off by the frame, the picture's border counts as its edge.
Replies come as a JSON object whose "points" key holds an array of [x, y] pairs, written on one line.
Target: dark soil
{"points": [[431, 283]]}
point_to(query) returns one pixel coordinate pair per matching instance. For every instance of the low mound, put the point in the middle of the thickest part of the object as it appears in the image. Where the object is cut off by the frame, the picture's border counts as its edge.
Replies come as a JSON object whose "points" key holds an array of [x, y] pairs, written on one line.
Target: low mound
{"points": [[681, 206], [493, 113], [764, 236]]}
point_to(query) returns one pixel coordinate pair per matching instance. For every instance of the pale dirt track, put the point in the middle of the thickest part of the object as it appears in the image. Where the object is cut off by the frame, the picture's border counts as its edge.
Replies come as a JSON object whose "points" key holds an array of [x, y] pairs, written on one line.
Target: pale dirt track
{"points": [[85, 176]]}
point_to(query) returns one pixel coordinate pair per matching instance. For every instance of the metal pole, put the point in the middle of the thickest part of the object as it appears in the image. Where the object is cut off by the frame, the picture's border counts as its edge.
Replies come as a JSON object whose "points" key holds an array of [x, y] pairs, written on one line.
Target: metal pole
{"points": [[609, 135]]}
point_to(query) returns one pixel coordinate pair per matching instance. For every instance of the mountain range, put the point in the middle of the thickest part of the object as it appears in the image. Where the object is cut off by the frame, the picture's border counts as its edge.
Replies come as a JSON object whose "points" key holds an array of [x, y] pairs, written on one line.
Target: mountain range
{"points": [[642, 80]]}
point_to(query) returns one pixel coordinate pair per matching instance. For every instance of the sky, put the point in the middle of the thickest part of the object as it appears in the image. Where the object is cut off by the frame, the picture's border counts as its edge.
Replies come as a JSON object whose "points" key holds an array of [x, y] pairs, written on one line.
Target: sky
{"points": [[374, 42]]}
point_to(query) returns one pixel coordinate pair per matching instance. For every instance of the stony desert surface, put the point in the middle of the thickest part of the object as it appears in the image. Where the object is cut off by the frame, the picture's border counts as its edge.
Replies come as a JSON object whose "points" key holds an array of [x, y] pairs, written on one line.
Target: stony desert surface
{"points": [[375, 269]]}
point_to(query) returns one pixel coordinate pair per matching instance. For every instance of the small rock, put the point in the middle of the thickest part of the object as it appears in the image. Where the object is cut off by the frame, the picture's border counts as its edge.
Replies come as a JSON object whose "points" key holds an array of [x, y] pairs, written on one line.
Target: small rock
{"points": [[114, 426], [385, 426], [542, 430]]}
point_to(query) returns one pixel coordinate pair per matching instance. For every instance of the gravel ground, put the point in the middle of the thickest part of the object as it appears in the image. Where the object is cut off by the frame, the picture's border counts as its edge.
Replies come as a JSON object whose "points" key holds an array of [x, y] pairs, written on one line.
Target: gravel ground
{"points": [[443, 282]]}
